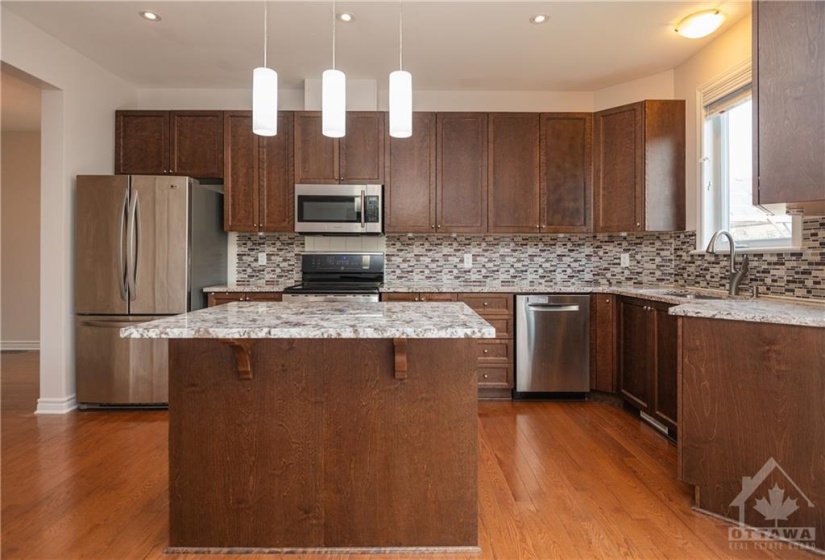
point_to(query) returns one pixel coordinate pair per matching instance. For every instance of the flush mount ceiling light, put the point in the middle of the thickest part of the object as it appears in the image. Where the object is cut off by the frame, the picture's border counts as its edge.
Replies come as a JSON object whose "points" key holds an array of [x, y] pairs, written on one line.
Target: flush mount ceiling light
{"points": [[539, 19], [345, 17], [400, 90], [265, 94], [333, 95], [150, 16], [700, 24]]}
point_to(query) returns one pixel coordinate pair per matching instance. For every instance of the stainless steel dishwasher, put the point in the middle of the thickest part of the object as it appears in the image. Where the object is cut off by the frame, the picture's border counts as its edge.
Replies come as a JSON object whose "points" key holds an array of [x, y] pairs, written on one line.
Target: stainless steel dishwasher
{"points": [[552, 344]]}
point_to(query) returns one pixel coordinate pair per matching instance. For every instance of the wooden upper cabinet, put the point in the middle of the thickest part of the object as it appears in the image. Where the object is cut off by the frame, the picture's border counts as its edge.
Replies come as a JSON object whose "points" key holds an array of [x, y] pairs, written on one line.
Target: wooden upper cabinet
{"points": [[409, 189], [356, 158], [169, 142], [639, 167], [566, 190], [789, 101], [258, 182], [142, 142], [461, 177], [362, 149], [513, 172], [277, 184], [196, 142], [240, 183]]}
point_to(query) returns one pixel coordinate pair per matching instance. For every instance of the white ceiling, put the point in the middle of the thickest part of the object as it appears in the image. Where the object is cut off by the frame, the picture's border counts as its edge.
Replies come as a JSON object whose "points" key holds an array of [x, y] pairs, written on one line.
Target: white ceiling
{"points": [[447, 45]]}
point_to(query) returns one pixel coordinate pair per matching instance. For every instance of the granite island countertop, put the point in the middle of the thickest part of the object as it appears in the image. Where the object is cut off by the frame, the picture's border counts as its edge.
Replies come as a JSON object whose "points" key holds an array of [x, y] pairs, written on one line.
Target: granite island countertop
{"points": [[320, 320]]}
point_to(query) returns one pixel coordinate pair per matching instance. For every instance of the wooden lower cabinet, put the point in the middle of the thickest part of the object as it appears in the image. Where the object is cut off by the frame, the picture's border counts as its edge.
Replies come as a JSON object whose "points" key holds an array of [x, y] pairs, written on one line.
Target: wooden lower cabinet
{"points": [[219, 298], [495, 356], [603, 343], [648, 359]]}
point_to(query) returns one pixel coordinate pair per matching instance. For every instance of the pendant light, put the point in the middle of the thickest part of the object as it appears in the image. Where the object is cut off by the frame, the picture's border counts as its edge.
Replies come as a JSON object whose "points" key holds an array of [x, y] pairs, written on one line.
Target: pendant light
{"points": [[400, 90], [265, 94], [333, 96]]}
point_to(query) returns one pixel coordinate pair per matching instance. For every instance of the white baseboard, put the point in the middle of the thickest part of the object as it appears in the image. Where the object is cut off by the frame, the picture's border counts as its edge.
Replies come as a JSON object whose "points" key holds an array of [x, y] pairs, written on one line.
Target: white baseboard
{"points": [[19, 345], [56, 406]]}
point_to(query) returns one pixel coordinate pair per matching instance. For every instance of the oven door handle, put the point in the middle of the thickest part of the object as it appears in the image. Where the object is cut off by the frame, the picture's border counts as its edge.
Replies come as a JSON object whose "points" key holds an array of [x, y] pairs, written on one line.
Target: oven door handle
{"points": [[363, 209]]}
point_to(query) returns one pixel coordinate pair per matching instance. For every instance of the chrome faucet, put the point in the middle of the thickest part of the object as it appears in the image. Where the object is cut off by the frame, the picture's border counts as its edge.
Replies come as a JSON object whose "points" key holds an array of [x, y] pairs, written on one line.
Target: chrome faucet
{"points": [[735, 276]]}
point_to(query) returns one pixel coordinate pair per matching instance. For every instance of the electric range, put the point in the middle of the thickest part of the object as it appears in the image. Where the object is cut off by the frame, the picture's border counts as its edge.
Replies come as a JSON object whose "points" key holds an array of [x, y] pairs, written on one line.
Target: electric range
{"points": [[336, 277]]}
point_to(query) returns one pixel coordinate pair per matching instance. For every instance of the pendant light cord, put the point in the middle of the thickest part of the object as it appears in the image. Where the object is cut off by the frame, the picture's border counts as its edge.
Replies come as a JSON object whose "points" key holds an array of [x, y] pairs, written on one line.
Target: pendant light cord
{"points": [[401, 35], [333, 34], [266, 14]]}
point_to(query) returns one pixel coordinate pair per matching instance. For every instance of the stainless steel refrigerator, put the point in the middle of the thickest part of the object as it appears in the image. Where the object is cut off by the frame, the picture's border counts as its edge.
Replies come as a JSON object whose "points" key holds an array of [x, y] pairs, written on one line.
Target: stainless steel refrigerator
{"points": [[145, 247]]}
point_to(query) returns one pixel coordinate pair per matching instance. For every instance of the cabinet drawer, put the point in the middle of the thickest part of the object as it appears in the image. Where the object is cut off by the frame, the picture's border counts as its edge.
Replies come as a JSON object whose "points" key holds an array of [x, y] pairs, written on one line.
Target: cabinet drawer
{"points": [[434, 296], [220, 298], [503, 325], [488, 303], [496, 376], [495, 350], [407, 296]]}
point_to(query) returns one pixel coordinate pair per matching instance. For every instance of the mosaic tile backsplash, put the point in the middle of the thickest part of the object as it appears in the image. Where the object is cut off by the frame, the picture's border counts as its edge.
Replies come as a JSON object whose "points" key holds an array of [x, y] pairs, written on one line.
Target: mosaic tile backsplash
{"points": [[655, 258]]}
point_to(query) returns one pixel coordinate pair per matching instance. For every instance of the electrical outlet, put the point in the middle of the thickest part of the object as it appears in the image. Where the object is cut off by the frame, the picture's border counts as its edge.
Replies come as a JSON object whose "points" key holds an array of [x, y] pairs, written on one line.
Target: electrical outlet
{"points": [[625, 260], [261, 258], [468, 260]]}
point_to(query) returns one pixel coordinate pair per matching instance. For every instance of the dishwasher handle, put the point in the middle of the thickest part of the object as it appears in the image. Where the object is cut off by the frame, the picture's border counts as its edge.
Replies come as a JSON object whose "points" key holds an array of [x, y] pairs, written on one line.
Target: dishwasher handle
{"points": [[552, 307]]}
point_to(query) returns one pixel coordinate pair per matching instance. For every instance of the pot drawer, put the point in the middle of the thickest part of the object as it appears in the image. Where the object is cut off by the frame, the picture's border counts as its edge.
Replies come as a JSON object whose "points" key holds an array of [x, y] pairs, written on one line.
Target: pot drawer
{"points": [[496, 376], [495, 350], [488, 303]]}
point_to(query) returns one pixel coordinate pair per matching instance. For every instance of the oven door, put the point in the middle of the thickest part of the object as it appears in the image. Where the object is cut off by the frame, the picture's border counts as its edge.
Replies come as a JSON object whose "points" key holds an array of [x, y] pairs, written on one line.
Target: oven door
{"points": [[343, 209]]}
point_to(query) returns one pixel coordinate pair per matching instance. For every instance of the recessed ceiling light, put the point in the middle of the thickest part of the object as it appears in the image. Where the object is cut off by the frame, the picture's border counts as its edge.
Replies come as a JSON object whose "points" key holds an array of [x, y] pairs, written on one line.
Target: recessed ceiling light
{"points": [[345, 17], [150, 16], [540, 18], [700, 24]]}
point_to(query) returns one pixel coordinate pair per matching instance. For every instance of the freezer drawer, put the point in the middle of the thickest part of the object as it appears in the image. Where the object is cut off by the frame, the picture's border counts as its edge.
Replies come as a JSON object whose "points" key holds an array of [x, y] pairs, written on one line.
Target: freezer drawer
{"points": [[119, 371], [552, 344]]}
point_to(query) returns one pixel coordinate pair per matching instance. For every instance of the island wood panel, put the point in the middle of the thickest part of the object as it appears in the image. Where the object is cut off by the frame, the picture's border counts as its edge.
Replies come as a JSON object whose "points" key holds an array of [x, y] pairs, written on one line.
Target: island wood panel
{"points": [[789, 102], [362, 149], [277, 187], [409, 190], [241, 200], [751, 392], [322, 450], [461, 172], [513, 172], [142, 142], [316, 156], [566, 170]]}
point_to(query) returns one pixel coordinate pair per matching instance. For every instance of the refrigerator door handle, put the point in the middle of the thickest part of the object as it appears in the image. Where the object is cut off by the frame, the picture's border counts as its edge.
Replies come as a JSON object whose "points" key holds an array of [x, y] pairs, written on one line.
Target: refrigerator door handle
{"points": [[121, 260], [131, 263], [106, 324]]}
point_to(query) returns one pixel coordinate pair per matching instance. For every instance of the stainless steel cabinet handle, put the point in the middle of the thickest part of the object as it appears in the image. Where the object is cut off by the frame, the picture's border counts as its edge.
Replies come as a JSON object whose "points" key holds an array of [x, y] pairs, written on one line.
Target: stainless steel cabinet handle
{"points": [[486, 351], [537, 226], [551, 307], [485, 304], [486, 376], [363, 209]]}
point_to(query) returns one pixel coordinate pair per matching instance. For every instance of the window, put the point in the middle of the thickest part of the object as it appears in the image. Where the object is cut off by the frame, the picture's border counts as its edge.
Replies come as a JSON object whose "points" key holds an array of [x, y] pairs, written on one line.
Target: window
{"points": [[727, 169]]}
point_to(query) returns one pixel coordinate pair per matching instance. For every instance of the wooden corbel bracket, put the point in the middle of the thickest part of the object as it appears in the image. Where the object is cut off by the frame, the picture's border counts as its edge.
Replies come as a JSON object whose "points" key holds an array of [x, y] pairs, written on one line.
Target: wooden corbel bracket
{"points": [[400, 345], [243, 357]]}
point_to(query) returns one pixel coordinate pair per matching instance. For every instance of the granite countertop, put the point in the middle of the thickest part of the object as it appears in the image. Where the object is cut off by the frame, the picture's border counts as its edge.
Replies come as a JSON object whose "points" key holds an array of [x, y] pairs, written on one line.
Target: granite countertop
{"points": [[250, 287], [320, 320], [721, 306]]}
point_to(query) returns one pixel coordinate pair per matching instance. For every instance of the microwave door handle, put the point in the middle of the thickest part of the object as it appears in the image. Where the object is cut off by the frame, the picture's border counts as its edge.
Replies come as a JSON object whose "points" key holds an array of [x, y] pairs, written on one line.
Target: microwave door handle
{"points": [[363, 209]]}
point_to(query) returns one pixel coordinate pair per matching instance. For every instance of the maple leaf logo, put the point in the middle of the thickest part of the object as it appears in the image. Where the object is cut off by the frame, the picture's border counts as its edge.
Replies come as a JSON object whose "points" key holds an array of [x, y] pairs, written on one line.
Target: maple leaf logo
{"points": [[776, 507]]}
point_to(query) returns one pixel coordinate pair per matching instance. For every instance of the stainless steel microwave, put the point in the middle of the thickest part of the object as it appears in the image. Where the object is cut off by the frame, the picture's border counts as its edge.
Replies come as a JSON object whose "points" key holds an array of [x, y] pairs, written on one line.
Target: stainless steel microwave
{"points": [[344, 209]]}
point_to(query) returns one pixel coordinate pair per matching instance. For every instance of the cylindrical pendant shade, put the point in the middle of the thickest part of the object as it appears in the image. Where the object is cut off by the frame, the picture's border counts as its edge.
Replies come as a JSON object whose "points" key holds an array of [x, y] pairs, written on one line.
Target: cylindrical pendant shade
{"points": [[265, 102], [334, 104], [400, 104]]}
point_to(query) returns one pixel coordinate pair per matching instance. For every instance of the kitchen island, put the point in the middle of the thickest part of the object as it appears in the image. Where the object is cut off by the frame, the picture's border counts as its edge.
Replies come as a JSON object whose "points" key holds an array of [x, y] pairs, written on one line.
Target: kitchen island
{"points": [[309, 425]]}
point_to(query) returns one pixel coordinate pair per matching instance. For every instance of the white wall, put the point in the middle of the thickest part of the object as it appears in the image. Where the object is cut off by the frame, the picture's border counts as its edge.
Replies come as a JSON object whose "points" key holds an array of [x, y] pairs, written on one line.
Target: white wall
{"points": [[77, 137], [720, 56], [657, 86], [20, 237]]}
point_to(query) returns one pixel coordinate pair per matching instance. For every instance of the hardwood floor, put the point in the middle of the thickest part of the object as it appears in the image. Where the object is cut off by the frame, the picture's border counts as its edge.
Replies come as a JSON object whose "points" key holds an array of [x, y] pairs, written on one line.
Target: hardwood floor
{"points": [[556, 480]]}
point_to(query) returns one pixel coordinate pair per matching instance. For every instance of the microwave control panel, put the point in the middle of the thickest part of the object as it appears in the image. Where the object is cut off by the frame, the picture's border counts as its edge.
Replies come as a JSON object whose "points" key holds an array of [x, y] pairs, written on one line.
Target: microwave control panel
{"points": [[373, 213]]}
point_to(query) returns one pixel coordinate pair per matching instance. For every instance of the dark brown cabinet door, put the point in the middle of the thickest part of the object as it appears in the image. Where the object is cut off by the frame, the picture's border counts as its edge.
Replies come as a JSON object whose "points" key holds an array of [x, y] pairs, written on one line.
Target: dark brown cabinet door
{"points": [[566, 172], [461, 178], [142, 142], [603, 340], [196, 143], [277, 185], [664, 364], [240, 205], [409, 191], [618, 147], [789, 101], [634, 360], [316, 156], [663, 207], [362, 149], [513, 172]]}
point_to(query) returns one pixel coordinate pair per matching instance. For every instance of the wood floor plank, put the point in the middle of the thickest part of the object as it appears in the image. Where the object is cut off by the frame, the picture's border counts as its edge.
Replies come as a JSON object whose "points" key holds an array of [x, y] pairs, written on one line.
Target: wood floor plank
{"points": [[556, 480]]}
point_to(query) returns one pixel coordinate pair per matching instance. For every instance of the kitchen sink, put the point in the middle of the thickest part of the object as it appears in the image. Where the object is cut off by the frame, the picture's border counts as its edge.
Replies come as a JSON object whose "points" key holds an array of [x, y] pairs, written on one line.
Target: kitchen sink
{"points": [[691, 295]]}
